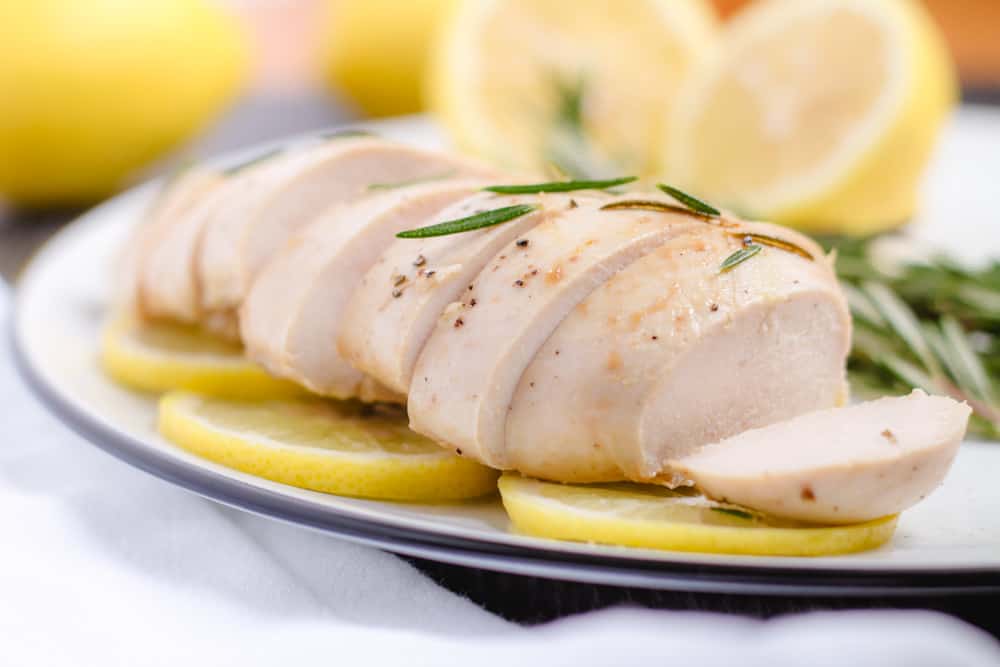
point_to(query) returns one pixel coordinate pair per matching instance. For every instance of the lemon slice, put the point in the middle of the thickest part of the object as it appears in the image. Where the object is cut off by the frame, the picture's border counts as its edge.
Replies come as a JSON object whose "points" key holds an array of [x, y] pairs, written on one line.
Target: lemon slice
{"points": [[656, 518], [525, 83], [816, 114], [329, 446], [163, 356]]}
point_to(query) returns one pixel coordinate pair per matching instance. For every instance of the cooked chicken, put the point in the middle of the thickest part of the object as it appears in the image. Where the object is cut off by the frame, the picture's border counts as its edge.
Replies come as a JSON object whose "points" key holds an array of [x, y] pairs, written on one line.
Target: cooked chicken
{"points": [[294, 312], [837, 466], [385, 329], [174, 204], [290, 194], [592, 339]]}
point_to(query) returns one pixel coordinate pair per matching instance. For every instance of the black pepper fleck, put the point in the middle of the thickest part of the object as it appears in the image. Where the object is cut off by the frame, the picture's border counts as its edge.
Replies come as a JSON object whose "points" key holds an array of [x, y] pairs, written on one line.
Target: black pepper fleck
{"points": [[459, 323], [656, 338], [396, 293], [472, 303], [429, 273], [518, 283], [714, 307], [572, 203], [420, 260], [522, 243], [398, 279]]}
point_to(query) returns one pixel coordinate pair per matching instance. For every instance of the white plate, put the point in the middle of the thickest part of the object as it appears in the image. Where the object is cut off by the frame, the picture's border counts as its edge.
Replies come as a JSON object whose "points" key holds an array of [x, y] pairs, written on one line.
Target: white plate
{"points": [[949, 543]]}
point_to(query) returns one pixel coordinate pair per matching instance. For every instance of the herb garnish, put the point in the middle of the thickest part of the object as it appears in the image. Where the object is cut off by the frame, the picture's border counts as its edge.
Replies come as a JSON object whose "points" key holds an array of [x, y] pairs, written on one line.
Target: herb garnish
{"points": [[932, 325], [732, 512], [346, 134], [775, 242], [654, 205], [740, 256], [691, 202], [249, 162], [476, 221], [412, 181], [560, 186]]}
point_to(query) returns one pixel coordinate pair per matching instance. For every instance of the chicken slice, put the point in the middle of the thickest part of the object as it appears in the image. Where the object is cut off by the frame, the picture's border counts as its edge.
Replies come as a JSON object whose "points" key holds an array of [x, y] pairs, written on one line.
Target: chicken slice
{"points": [[842, 465], [294, 312], [301, 185], [465, 377], [671, 354], [177, 197], [386, 329]]}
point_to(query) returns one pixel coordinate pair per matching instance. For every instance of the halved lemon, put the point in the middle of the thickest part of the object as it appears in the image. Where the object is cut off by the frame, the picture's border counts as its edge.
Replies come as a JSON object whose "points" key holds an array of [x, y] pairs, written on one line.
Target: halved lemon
{"points": [[159, 357], [816, 114], [656, 518], [527, 83], [335, 447]]}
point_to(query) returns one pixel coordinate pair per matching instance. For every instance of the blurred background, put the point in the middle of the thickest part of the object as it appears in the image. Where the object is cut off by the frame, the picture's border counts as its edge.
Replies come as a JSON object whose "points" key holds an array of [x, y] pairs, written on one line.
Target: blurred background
{"points": [[97, 93]]}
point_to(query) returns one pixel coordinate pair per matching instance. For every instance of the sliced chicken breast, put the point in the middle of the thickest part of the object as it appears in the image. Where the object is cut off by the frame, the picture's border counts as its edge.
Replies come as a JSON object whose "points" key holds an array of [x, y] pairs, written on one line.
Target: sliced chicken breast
{"points": [[385, 329], [294, 312], [169, 280], [842, 465], [300, 186], [671, 354], [466, 375], [177, 197]]}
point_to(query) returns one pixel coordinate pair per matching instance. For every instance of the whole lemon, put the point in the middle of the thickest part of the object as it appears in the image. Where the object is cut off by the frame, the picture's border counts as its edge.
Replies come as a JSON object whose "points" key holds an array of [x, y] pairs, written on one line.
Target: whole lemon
{"points": [[91, 91], [376, 51]]}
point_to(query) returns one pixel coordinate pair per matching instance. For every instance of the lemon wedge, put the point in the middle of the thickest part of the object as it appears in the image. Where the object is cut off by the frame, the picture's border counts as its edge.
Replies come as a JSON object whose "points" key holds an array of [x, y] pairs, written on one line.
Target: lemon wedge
{"points": [[654, 517], [159, 357], [526, 83], [332, 447], [820, 115]]}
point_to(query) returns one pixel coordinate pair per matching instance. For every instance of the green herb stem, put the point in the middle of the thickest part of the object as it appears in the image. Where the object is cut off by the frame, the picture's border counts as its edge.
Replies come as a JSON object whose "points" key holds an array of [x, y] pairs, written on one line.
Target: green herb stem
{"points": [[467, 224], [690, 201], [560, 186]]}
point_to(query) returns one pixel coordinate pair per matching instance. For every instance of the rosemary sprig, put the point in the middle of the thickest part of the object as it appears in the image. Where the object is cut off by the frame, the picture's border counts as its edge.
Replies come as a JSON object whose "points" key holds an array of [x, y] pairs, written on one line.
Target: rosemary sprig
{"points": [[477, 221], [691, 202], [740, 256], [932, 325], [560, 186]]}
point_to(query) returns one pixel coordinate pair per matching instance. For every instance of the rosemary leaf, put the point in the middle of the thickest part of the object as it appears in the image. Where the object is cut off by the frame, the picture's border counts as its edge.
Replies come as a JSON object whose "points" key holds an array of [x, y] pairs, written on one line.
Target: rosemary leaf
{"points": [[740, 256], [861, 307], [412, 181], [560, 186], [691, 202], [910, 374], [477, 221], [347, 133], [969, 369], [775, 242], [249, 162], [904, 322]]}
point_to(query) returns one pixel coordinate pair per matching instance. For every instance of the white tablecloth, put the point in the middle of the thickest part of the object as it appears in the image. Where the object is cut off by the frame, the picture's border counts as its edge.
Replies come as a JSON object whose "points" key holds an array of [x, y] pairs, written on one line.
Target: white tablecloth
{"points": [[103, 565]]}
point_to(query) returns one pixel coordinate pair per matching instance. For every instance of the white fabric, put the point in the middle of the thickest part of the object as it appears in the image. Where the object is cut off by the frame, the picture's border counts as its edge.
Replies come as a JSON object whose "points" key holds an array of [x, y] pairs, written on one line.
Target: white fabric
{"points": [[103, 565]]}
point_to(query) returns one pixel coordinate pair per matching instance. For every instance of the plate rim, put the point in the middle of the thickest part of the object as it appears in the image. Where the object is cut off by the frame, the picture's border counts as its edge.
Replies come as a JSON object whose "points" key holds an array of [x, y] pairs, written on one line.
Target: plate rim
{"points": [[530, 560]]}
